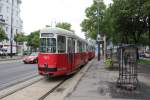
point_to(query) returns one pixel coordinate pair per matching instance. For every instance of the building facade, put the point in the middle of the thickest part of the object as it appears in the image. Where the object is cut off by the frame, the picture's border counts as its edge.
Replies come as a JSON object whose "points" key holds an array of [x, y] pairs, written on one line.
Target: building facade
{"points": [[10, 21]]}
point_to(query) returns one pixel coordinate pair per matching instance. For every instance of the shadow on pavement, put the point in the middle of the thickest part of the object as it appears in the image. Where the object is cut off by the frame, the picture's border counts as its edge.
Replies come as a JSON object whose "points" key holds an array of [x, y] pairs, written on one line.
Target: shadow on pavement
{"points": [[144, 69], [142, 92]]}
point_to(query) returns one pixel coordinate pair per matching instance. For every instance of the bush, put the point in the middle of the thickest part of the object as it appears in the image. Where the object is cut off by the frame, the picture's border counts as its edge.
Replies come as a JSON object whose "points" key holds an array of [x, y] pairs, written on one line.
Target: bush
{"points": [[144, 62], [108, 62]]}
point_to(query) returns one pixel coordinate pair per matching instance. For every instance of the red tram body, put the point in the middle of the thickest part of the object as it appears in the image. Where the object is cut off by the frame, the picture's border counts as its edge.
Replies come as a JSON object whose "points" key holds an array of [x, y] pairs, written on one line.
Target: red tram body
{"points": [[62, 52]]}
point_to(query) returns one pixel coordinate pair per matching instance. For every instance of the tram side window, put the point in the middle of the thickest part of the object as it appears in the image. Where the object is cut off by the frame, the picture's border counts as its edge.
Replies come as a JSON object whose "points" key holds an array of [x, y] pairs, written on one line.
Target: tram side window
{"points": [[61, 41], [83, 46], [79, 46], [73, 46], [86, 47]]}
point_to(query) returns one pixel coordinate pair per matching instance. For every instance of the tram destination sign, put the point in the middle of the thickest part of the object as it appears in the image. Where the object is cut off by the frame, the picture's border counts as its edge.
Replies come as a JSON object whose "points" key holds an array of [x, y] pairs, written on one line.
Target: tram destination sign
{"points": [[47, 35]]}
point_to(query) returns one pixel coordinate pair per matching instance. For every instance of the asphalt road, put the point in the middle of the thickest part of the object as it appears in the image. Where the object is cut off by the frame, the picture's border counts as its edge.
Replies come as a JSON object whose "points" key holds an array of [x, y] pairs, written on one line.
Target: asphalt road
{"points": [[14, 72]]}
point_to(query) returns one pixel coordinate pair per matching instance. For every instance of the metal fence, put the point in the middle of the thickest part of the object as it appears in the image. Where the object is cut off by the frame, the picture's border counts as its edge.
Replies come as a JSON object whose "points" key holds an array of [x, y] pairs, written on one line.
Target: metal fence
{"points": [[127, 67]]}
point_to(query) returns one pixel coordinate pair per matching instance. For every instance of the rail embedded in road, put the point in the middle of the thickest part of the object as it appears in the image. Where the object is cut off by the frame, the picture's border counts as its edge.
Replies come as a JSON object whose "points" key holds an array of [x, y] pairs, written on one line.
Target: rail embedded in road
{"points": [[15, 82], [37, 89], [44, 88], [6, 92], [51, 90]]}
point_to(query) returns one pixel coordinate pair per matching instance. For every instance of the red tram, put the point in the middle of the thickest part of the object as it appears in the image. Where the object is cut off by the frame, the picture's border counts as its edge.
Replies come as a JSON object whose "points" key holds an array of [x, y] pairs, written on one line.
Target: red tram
{"points": [[62, 52]]}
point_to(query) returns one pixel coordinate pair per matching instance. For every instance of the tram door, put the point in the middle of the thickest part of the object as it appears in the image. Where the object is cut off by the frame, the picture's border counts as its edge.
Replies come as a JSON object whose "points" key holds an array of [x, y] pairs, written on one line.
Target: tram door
{"points": [[71, 53]]}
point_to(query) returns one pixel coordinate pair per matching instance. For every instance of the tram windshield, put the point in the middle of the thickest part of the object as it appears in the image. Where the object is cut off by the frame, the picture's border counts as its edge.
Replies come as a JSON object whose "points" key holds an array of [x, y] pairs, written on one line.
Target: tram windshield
{"points": [[48, 45]]}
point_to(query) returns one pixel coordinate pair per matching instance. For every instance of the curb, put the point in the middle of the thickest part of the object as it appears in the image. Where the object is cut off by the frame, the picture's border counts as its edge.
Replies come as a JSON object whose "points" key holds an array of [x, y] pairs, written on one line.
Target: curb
{"points": [[76, 80], [6, 59], [15, 88]]}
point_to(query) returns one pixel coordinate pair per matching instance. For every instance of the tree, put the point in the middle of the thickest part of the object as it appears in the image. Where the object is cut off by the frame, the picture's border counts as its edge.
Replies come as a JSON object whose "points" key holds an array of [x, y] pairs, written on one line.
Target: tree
{"points": [[33, 40], [146, 7], [124, 21], [64, 25], [19, 38], [3, 35], [129, 20], [93, 13]]}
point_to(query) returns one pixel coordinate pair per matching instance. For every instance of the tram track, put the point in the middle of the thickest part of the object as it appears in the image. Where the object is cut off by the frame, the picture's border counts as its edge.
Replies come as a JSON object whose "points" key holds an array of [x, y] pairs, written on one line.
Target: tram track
{"points": [[44, 88], [52, 90], [15, 82], [39, 90], [19, 85]]}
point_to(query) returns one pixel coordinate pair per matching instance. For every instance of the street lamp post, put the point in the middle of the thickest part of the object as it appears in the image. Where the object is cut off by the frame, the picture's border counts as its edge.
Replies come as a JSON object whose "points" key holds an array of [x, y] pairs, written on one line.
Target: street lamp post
{"points": [[98, 43], [11, 33], [98, 29]]}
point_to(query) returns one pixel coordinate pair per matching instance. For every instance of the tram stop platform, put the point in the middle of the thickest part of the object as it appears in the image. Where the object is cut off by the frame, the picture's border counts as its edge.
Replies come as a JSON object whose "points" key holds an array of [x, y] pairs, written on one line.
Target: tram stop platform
{"points": [[99, 83]]}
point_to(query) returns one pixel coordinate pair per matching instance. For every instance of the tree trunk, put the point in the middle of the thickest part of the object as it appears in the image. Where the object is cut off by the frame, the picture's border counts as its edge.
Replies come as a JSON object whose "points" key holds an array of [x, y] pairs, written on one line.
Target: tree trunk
{"points": [[137, 52], [149, 29], [16, 48], [105, 47]]}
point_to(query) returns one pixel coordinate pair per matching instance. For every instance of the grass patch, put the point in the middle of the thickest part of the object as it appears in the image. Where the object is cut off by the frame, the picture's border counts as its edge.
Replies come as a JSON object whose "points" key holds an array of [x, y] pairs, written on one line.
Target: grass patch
{"points": [[108, 62], [144, 62]]}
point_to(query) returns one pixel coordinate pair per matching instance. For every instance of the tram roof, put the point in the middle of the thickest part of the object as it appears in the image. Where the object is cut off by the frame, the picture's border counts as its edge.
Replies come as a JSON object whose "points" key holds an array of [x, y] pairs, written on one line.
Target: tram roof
{"points": [[61, 31], [57, 30]]}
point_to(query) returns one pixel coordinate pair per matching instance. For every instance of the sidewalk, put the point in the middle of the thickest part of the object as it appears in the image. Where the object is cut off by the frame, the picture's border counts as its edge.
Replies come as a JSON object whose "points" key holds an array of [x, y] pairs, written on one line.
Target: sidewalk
{"points": [[99, 83]]}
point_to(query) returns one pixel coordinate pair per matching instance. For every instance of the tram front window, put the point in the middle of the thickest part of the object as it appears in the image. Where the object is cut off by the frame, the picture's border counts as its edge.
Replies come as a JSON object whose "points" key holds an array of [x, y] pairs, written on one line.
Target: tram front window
{"points": [[61, 41], [48, 45]]}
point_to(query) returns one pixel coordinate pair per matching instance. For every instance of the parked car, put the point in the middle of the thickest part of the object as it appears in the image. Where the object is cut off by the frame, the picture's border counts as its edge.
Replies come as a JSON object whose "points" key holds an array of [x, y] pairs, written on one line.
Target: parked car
{"points": [[32, 58], [141, 54], [147, 54], [3, 52]]}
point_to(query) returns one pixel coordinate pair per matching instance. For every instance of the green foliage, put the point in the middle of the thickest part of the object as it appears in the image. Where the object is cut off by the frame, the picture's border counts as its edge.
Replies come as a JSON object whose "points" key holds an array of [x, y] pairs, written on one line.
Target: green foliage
{"points": [[3, 35], [64, 25], [144, 62], [108, 63], [94, 14], [124, 21], [19, 38], [33, 39], [130, 22]]}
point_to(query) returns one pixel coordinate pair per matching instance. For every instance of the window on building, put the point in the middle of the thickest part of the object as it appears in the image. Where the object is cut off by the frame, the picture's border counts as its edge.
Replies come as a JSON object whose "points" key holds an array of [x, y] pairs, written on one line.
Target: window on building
{"points": [[7, 18], [61, 41], [1, 6], [6, 29], [17, 13], [16, 30], [7, 9]]}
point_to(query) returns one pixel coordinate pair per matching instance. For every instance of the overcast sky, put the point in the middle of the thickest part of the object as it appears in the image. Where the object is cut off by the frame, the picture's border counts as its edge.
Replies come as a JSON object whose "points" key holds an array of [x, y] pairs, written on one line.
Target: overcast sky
{"points": [[38, 13]]}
